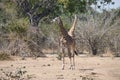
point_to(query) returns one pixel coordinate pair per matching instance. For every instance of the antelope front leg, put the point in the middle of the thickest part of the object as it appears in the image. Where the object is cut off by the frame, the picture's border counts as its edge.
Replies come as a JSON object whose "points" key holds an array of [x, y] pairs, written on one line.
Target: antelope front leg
{"points": [[71, 66], [63, 64], [69, 55], [73, 62], [63, 56]]}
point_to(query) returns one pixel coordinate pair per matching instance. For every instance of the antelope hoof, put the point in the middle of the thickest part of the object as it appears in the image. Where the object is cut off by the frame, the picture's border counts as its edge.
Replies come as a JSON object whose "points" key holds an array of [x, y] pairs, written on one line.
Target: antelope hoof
{"points": [[72, 67]]}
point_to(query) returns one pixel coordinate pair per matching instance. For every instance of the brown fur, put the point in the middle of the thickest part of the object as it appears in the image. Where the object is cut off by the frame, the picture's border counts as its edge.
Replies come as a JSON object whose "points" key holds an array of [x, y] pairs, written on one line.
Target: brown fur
{"points": [[67, 41]]}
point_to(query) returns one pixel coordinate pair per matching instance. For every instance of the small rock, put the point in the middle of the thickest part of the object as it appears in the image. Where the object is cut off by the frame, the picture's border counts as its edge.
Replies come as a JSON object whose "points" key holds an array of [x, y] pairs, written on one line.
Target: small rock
{"points": [[43, 65], [11, 65], [23, 58], [98, 63], [48, 65], [44, 73], [93, 73]]}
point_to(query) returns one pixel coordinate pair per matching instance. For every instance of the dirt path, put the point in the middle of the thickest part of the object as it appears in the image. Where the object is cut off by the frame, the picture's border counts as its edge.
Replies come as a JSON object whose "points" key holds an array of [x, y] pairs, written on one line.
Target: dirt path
{"points": [[87, 68]]}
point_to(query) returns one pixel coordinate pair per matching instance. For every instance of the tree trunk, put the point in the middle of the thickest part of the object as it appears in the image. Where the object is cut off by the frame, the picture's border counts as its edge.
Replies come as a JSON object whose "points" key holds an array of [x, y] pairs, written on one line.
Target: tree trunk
{"points": [[94, 51]]}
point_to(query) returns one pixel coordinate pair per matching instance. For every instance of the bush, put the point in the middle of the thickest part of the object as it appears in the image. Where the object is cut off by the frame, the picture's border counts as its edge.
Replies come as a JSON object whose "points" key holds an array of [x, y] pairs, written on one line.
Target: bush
{"points": [[12, 73], [4, 56], [18, 26]]}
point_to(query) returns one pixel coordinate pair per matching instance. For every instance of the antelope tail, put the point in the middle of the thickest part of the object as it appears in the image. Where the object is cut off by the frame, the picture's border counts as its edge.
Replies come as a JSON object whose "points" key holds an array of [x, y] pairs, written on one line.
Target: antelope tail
{"points": [[76, 53]]}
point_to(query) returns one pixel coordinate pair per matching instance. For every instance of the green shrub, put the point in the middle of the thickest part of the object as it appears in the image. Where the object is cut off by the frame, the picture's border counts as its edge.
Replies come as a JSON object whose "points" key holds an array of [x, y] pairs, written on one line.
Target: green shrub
{"points": [[4, 56], [18, 26]]}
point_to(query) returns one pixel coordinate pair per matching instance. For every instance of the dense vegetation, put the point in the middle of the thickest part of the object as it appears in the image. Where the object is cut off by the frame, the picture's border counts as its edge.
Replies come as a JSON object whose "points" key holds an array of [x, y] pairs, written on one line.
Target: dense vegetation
{"points": [[26, 28]]}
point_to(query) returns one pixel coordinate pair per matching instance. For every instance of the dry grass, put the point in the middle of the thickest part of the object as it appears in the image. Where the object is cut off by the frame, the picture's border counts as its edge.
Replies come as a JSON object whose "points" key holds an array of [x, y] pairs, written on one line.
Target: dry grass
{"points": [[4, 56], [49, 68]]}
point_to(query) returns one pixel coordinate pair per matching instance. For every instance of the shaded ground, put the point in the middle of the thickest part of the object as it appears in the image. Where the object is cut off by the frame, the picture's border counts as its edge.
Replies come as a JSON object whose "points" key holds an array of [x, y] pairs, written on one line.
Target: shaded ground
{"points": [[87, 68]]}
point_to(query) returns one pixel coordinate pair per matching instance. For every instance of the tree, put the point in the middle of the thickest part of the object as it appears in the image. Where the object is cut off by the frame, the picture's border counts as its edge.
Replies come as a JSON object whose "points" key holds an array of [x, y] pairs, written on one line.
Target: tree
{"points": [[36, 10], [99, 31]]}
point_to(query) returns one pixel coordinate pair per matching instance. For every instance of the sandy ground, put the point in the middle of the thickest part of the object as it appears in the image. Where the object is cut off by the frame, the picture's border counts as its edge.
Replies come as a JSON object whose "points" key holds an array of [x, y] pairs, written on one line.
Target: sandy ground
{"points": [[87, 68]]}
